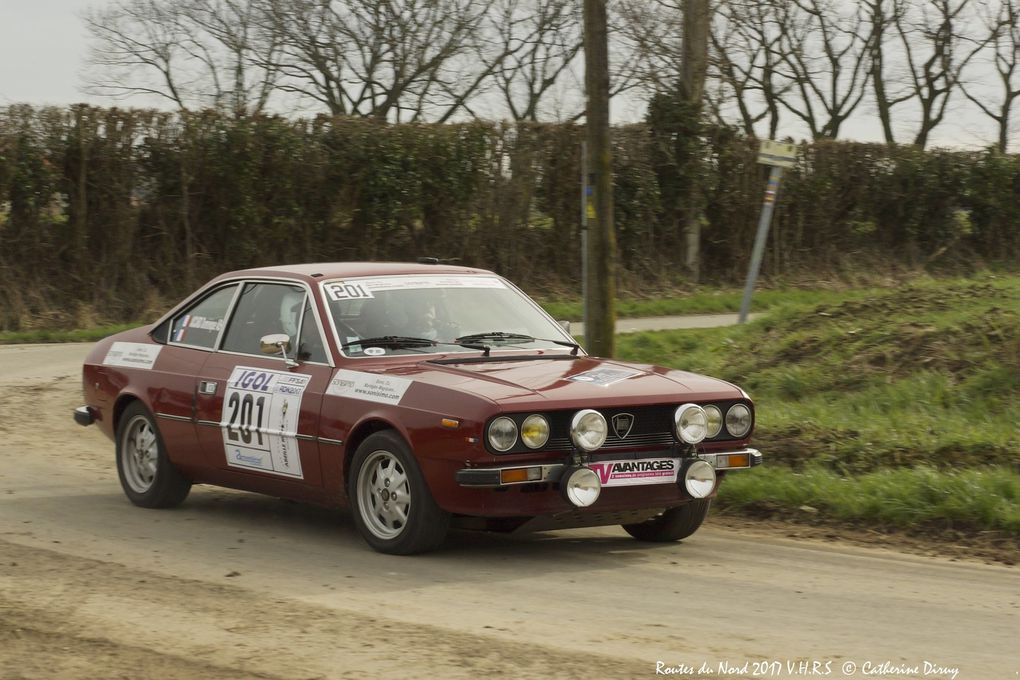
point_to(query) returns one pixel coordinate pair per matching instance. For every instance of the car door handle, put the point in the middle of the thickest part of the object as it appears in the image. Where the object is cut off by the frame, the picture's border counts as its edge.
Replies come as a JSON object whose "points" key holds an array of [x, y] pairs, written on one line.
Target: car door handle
{"points": [[207, 387]]}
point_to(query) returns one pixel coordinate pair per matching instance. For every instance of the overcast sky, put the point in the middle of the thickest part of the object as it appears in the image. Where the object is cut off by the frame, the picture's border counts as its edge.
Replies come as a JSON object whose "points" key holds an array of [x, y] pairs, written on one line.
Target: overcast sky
{"points": [[43, 46]]}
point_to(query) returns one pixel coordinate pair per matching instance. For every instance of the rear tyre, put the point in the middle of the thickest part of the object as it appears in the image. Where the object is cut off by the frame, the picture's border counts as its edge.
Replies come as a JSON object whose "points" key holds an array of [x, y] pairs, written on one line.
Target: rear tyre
{"points": [[672, 525], [393, 507], [147, 476]]}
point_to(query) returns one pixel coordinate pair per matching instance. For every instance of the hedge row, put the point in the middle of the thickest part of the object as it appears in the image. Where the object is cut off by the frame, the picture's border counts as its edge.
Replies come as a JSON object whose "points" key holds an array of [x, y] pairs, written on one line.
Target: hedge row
{"points": [[113, 212]]}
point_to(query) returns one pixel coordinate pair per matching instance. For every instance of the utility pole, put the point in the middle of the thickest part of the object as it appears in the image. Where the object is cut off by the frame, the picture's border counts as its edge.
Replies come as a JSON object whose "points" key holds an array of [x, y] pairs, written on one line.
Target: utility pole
{"points": [[600, 315], [693, 71]]}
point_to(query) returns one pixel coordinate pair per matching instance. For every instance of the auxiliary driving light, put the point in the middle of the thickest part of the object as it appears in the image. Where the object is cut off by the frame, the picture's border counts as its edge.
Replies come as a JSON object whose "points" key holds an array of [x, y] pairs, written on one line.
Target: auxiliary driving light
{"points": [[581, 486], [691, 423], [699, 479], [588, 429]]}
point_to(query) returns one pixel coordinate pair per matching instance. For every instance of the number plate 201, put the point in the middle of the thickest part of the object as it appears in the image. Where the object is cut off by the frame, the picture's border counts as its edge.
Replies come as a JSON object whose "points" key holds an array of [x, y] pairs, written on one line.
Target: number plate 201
{"points": [[259, 421]]}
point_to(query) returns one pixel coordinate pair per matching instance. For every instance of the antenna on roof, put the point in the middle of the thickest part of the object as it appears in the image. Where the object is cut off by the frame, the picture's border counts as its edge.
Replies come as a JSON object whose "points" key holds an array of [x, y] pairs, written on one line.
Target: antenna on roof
{"points": [[428, 260]]}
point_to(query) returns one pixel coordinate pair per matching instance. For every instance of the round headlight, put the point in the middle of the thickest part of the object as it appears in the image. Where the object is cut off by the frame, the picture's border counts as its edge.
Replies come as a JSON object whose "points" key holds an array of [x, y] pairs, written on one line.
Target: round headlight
{"points": [[714, 421], [738, 420], [588, 429], [691, 423], [581, 486], [699, 478], [502, 434], [535, 431]]}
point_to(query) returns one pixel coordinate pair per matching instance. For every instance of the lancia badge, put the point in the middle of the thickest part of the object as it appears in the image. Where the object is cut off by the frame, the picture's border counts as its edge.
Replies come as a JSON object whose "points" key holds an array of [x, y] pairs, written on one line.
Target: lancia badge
{"points": [[622, 422]]}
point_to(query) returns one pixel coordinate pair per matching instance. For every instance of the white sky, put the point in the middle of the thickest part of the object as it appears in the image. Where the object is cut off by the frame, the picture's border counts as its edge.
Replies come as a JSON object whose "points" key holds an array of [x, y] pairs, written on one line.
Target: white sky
{"points": [[43, 45]]}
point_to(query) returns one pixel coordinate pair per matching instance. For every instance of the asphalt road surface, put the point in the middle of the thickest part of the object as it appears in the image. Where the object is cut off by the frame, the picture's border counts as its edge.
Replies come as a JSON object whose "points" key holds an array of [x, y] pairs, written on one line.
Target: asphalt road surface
{"points": [[234, 585]]}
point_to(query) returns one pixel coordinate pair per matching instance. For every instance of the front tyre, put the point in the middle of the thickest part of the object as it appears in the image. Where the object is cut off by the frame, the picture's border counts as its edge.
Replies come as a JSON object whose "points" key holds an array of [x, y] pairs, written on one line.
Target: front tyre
{"points": [[393, 507], [672, 525], [147, 476]]}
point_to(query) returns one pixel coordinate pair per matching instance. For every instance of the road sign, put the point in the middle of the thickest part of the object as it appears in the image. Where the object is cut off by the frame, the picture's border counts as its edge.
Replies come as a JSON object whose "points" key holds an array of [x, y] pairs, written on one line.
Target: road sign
{"points": [[777, 154]]}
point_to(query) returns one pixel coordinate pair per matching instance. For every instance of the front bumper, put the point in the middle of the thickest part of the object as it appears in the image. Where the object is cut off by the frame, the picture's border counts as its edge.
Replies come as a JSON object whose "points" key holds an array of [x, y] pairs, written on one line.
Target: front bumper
{"points": [[531, 474]]}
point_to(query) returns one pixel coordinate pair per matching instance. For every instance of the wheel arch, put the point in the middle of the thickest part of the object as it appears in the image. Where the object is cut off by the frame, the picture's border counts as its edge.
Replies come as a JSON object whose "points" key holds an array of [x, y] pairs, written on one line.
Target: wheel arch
{"points": [[124, 400], [360, 433]]}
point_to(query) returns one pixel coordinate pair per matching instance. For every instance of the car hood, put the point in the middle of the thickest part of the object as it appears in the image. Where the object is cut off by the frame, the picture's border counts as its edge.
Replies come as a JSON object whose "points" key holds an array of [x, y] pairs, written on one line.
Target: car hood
{"points": [[558, 381]]}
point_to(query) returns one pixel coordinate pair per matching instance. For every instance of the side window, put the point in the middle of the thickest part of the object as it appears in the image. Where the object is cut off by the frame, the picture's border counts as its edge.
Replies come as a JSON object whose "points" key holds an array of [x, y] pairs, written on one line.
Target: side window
{"points": [[200, 325], [264, 309], [310, 348]]}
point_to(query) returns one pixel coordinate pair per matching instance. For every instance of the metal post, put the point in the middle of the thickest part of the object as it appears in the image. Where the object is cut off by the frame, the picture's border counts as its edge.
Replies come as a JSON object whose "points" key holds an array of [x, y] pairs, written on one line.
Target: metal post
{"points": [[585, 198], [760, 238]]}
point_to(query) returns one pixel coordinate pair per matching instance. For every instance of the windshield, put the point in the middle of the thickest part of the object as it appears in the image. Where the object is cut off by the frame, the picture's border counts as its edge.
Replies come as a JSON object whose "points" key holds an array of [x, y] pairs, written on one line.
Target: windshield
{"points": [[417, 314]]}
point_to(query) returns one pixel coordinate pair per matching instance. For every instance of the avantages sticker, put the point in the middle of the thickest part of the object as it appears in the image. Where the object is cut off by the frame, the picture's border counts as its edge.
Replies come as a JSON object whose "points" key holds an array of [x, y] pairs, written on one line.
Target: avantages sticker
{"points": [[636, 472]]}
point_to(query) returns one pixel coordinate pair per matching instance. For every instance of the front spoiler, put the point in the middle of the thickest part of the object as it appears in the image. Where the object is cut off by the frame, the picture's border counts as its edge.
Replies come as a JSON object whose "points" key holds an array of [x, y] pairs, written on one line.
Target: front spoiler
{"points": [[494, 477]]}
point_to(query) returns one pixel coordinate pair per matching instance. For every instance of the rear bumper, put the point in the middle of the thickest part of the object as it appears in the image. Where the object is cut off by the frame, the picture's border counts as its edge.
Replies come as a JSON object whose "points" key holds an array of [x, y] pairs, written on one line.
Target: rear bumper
{"points": [[83, 416]]}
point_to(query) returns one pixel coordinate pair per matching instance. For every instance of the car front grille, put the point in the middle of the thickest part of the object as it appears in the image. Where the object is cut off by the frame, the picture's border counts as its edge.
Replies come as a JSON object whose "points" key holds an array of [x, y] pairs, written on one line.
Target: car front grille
{"points": [[653, 426]]}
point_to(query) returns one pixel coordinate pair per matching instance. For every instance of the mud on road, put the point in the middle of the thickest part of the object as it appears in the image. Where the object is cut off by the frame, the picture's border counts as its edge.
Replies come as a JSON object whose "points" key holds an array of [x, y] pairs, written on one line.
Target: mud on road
{"points": [[235, 585]]}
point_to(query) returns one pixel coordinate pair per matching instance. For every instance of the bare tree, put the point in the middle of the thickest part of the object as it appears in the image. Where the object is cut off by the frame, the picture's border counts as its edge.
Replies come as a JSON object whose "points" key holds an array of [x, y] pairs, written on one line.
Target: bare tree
{"points": [[825, 57], [388, 59], [1002, 26], [136, 49], [881, 16], [534, 44], [746, 59], [232, 43], [194, 53], [935, 53], [648, 35]]}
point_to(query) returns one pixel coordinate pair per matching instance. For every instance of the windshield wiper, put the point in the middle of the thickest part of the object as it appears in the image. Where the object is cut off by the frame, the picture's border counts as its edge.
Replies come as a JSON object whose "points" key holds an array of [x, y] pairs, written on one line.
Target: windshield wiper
{"points": [[395, 341], [407, 342], [516, 337]]}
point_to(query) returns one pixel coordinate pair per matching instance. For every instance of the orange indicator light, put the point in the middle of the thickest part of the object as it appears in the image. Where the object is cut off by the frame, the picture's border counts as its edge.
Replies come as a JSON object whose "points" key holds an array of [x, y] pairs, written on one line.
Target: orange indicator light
{"points": [[514, 475]]}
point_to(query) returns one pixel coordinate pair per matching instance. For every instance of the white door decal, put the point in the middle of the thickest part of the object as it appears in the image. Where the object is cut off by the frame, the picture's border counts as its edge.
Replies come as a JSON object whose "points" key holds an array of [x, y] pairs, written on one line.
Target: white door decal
{"points": [[259, 422]]}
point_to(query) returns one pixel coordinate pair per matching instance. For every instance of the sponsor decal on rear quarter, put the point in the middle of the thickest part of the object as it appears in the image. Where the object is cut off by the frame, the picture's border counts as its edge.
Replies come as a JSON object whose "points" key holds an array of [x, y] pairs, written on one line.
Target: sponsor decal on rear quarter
{"points": [[132, 355]]}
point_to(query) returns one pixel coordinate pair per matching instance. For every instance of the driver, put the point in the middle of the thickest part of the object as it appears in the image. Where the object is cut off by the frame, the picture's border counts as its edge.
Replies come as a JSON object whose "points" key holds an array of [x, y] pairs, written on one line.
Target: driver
{"points": [[420, 317], [290, 314]]}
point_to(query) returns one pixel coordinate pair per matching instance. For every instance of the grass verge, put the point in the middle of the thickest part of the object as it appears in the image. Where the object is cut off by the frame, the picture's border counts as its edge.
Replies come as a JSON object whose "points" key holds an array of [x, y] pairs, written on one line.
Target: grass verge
{"points": [[57, 335], [707, 301], [979, 499], [874, 409]]}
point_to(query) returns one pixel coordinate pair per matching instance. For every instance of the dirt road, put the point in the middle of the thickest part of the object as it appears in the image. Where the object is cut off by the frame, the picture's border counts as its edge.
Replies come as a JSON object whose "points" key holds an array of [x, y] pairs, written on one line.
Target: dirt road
{"points": [[235, 585]]}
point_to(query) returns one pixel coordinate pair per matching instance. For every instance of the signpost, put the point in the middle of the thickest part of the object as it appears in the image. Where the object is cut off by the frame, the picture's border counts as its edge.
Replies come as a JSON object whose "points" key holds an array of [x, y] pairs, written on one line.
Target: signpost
{"points": [[777, 155]]}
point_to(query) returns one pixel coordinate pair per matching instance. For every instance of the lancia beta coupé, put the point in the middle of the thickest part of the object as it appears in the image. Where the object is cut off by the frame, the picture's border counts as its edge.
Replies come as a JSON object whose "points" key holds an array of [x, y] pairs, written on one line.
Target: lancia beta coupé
{"points": [[421, 396]]}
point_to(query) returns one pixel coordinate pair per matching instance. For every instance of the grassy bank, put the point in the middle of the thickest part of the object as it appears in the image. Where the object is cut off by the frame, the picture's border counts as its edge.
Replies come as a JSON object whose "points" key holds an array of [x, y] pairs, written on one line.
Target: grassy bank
{"points": [[706, 301], [915, 389]]}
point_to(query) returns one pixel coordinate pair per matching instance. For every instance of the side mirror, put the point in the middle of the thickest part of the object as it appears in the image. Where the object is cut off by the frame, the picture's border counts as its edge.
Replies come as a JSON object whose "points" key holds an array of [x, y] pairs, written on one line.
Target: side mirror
{"points": [[277, 343], [564, 324]]}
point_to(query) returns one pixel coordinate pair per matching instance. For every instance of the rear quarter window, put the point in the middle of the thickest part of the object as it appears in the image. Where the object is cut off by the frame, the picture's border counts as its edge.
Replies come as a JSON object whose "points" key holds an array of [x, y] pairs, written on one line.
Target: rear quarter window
{"points": [[201, 324]]}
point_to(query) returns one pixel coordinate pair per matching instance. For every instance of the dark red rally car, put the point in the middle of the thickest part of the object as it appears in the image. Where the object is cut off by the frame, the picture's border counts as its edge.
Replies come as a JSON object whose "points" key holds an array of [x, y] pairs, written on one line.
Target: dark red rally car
{"points": [[422, 396]]}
